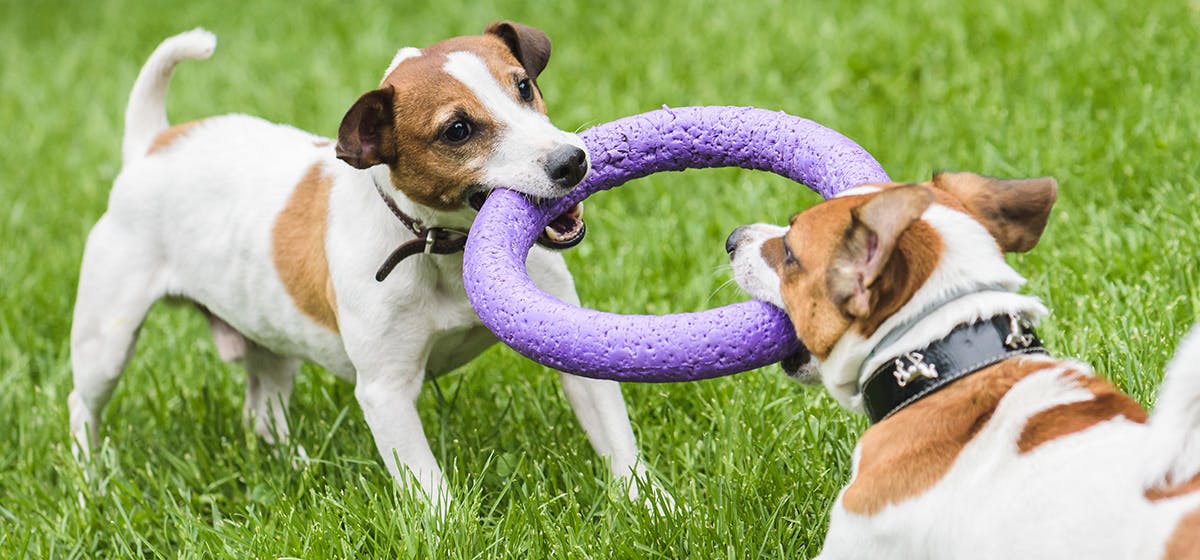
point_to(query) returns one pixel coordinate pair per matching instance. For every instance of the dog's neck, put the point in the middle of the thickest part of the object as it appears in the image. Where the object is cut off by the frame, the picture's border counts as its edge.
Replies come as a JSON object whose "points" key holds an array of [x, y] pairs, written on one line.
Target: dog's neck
{"points": [[381, 178], [972, 282]]}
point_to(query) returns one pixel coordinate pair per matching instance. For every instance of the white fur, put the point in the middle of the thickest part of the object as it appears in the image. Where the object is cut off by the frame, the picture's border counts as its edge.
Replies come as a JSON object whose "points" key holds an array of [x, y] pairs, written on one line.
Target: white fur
{"points": [[525, 131], [1081, 496], [1174, 453], [970, 260], [146, 113], [753, 273], [195, 221], [401, 55]]}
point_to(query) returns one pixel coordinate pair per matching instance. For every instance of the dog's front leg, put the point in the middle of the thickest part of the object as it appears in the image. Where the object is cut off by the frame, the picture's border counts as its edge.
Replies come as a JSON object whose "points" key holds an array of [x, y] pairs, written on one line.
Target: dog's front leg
{"points": [[390, 370], [388, 402], [391, 412]]}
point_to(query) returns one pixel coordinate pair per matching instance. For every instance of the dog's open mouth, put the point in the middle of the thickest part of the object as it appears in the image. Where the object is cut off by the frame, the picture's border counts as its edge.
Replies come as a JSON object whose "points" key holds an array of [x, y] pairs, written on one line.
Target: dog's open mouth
{"points": [[563, 232]]}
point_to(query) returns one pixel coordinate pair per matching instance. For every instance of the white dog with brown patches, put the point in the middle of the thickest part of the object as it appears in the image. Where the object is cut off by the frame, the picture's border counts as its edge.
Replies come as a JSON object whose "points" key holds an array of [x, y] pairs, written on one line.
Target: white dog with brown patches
{"points": [[983, 445], [279, 242]]}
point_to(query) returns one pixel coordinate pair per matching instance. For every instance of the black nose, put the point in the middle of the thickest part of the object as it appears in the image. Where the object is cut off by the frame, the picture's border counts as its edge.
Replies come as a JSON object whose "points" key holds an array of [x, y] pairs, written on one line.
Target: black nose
{"points": [[566, 166], [731, 242]]}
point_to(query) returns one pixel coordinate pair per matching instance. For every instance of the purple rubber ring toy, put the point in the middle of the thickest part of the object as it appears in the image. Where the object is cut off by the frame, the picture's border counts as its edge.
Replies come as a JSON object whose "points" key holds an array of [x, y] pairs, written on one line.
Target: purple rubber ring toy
{"points": [[652, 348]]}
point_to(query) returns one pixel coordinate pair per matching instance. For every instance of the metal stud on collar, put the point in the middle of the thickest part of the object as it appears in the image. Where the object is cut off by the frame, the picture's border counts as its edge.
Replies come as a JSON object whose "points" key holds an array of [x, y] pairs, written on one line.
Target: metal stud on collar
{"points": [[916, 368], [1020, 337]]}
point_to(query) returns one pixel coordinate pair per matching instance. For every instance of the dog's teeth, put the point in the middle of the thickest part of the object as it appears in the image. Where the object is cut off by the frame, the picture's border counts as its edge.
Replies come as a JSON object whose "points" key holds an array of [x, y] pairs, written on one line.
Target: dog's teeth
{"points": [[576, 211], [553, 235]]}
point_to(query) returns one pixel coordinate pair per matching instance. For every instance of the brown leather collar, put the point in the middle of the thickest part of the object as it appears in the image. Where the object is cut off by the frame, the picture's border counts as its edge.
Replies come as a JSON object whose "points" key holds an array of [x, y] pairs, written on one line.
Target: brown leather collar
{"points": [[430, 240]]}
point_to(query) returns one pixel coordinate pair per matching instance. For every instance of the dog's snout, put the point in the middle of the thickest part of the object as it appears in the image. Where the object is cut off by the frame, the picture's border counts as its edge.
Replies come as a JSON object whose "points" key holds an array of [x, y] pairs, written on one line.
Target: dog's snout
{"points": [[566, 166], [731, 242]]}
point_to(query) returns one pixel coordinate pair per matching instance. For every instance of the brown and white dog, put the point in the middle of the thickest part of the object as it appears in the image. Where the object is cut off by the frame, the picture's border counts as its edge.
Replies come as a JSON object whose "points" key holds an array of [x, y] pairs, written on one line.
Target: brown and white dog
{"points": [[279, 241], [984, 446]]}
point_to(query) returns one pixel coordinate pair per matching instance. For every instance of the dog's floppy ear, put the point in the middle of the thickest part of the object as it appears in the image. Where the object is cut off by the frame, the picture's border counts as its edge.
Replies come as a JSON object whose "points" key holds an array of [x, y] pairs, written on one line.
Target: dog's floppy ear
{"points": [[363, 139], [1014, 211], [868, 244], [530, 45]]}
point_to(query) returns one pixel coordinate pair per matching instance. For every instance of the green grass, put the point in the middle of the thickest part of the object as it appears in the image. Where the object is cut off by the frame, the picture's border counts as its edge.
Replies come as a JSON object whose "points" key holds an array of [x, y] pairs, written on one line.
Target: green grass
{"points": [[1106, 97]]}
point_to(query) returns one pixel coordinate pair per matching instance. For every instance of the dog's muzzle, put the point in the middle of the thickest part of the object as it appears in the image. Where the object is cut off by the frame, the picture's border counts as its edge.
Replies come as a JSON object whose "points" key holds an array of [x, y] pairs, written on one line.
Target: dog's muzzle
{"points": [[563, 232]]}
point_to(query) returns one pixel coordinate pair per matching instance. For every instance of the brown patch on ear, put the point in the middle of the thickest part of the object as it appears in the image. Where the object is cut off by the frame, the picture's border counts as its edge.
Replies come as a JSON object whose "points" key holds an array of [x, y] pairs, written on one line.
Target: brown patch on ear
{"points": [[908, 453], [914, 260], [167, 137], [1064, 420], [365, 137], [1184, 543], [869, 242], [530, 45], [1014, 211], [299, 248]]}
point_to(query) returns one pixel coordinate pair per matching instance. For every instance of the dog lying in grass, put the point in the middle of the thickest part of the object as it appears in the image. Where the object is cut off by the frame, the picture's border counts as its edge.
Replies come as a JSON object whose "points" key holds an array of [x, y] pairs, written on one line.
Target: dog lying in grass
{"points": [[983, 445]]}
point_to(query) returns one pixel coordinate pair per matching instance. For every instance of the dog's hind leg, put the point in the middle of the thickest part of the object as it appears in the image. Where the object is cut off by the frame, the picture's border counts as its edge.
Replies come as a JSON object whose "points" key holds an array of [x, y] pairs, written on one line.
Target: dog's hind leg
{"points": [[118, 282], [269, 379]]}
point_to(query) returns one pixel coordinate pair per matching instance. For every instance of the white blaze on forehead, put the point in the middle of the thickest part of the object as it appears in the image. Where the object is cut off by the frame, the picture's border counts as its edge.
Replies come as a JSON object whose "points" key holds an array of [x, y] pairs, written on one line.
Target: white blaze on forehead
{"points": [[401, 55], [526, 136], [469, 69]]}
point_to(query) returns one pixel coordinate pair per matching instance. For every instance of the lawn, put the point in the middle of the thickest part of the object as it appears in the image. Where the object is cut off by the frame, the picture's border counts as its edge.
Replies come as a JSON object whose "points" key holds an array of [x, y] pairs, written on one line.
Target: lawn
{"points": [[1104, 96]]}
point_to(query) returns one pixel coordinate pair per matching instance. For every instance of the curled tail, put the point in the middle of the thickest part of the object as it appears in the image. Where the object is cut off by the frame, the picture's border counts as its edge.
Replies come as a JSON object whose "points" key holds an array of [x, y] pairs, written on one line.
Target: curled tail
{"points": [[146, 114], [1175, 424]]}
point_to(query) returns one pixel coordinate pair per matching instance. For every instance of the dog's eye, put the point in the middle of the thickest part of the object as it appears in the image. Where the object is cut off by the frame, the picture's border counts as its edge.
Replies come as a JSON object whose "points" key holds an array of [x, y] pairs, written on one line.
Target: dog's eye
{"points": [[458, 132], [788, 257], [525, 90]]}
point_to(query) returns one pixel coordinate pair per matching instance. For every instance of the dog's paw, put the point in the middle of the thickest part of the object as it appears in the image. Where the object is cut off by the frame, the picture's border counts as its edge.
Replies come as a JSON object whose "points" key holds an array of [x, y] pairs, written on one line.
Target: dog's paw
{"points": [[645, 490]]}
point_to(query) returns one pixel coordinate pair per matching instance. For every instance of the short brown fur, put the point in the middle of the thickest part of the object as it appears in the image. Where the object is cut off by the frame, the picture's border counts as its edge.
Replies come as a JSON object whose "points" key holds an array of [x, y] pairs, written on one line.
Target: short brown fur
{"points": [[299, 248], [911, 451], [806, 293], [1064, 420], [1172, 490], [1184, 543], [168, 137], [427, 170]]}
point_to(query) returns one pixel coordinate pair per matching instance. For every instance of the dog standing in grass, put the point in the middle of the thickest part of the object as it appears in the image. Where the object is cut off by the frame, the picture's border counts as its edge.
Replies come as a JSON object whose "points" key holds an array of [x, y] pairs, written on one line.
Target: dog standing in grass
{"points": [[280, 243], [983, 445]]}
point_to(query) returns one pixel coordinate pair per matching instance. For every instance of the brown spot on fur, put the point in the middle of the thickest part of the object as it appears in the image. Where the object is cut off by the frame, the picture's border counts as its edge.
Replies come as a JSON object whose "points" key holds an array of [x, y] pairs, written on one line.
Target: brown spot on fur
{"points": [[908, 453], [773, 252], [1064, 420], [170, 135], [1171, 490], [323, 143], [1184, 543], [299, 248]]}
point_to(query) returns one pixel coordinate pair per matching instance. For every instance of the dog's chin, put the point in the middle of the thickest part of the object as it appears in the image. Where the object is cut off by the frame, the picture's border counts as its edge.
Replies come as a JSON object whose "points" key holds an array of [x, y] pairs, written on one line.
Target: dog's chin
{"points": [[563, 232], [801, 367]]}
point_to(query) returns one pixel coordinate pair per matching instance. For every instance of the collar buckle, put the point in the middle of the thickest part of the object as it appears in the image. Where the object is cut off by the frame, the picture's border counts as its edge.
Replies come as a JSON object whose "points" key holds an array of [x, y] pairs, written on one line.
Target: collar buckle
{"points": [[428, 242]]}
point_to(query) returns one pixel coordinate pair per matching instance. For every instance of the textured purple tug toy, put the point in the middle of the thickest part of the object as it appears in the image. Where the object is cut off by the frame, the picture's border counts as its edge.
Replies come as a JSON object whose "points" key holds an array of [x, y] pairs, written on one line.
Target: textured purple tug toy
{"points": [[651, 348]]}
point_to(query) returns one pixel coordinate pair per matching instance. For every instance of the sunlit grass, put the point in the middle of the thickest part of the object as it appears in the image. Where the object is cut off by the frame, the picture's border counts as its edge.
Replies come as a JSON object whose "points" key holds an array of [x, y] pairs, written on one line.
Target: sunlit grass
{"points": [[1104, 97]]}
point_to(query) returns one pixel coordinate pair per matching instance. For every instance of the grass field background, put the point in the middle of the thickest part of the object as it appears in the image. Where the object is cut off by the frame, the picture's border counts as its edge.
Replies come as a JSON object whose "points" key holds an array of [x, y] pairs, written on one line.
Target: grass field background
{"points": [[1105, 96]]}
